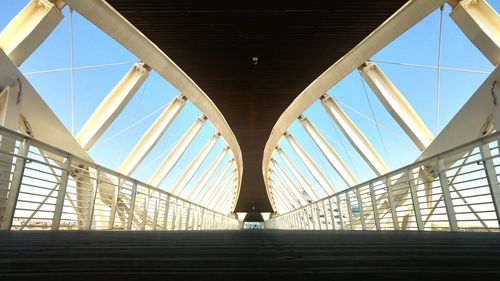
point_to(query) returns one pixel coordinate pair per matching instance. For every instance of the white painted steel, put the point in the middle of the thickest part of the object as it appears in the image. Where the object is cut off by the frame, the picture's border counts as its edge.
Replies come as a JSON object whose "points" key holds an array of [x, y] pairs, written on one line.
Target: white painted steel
{"points": [[357, 139], [151, 137], [396, 104], [26, 32], [311, 166], [112, 105], [333, 158], [194, 165], [176, 153], [105, 17]]}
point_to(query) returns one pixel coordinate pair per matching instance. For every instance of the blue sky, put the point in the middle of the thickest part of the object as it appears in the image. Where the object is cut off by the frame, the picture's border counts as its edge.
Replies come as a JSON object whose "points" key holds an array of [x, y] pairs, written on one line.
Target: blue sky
{"points": [[419, 45]]}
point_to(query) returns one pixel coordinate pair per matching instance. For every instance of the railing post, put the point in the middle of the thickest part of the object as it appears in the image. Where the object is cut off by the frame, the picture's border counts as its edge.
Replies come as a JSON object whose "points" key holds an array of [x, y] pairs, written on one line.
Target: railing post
{"points": [[132, 206], [301, 221], [112, 213], [318, 216], [443, 180], [214, 220], [332, 214], [491, 174], [324, 213], [15, 186], [203, 221], [374, 206], [360, 208], [297, 221], [61, 194], [339, 210], [195, 218], [307, 221], [392, 203], [414, 200], [93, 194], [157, 211], [167, 209], [181, 218], [174, 214], [349, 209], [145, 210], [312, 217], [188, 211]]}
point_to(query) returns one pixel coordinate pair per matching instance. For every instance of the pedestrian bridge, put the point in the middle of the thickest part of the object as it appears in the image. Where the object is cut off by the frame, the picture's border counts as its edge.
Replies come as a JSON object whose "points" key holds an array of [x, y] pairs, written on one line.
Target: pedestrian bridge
{"points": [[342, 120]]}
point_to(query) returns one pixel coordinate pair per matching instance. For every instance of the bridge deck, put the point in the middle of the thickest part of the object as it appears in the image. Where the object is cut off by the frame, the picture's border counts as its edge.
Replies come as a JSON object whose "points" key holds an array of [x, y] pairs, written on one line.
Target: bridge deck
{"points": [[255, 255]]}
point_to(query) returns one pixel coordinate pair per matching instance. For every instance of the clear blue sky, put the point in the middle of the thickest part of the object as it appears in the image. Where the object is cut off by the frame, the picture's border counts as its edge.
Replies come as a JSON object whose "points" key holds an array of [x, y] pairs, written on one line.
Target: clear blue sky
{"points": [[418, 45]]}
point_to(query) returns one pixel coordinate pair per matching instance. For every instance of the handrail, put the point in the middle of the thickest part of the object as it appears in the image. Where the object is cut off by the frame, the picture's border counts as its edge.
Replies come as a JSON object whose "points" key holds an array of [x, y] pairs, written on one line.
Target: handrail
{"points": [[407, 167], [406, 187], [9, 136]]}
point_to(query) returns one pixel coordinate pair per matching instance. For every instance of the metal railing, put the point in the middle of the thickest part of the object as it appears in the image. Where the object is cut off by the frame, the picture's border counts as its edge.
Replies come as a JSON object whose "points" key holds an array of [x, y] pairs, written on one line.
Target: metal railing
{"points": [[456, 190], [45, 188]]}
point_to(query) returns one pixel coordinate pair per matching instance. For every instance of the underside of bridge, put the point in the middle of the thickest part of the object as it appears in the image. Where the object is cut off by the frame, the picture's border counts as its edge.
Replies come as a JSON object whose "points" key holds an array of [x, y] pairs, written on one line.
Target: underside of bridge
{"points": [[254, 71], [215, 43]]}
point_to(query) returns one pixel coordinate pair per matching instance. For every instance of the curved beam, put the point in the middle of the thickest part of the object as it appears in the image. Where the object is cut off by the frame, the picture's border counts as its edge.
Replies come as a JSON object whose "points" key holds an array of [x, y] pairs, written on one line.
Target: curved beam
{"points": [[176, 153], [406, 17], [106, 18]]}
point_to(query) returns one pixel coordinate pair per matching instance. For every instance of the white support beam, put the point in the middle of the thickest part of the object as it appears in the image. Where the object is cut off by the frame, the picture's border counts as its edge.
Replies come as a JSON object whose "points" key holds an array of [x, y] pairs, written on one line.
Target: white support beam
{"points": [[333, 158], [284, 188], [291, 186], [479, 22], [223, 205], [176, 153], [282, 205], [26, 32], [355, 136], [396, 104], [106, 18], [207, 175], [193, 167], [300, 178], [311, 166], [221, 192], [112, 105], [208, 193], [151, 137], [284, 195]]}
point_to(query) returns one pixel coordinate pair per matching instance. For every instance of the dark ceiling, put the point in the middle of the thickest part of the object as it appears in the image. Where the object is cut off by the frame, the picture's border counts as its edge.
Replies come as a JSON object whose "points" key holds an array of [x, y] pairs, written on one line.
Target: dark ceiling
{"points": [[214, 42]]}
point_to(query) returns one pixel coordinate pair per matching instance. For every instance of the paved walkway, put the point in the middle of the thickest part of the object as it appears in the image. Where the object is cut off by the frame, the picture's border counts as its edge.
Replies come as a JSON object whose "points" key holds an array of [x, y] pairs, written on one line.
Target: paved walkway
{"points": [[249, 255]]}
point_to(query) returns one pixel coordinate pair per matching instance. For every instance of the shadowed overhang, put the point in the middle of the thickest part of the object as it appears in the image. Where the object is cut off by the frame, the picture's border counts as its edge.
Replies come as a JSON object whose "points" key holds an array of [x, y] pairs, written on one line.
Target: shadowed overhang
{"points": [[215, 42]]}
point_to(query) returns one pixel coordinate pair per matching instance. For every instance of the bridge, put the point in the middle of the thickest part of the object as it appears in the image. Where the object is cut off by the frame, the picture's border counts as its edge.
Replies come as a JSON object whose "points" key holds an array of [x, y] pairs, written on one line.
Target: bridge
{"points": [[342, 129]]}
